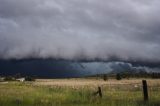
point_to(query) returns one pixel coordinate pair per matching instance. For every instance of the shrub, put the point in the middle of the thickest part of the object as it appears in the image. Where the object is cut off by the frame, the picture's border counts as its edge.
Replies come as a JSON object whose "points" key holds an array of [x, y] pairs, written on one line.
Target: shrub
{"points": [[118, 77], [28, 78], [105, 77], [9, 78], [18, 75]]}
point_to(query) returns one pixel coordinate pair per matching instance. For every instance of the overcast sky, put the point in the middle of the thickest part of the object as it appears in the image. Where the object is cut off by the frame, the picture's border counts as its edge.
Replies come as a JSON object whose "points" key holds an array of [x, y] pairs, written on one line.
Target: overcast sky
{"points": [[80, 29]]}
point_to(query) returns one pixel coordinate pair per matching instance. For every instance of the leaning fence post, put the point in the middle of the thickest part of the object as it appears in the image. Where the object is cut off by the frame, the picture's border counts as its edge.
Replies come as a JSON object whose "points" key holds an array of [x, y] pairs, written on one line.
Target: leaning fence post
{"points": [[145, 90], [100, 91]]}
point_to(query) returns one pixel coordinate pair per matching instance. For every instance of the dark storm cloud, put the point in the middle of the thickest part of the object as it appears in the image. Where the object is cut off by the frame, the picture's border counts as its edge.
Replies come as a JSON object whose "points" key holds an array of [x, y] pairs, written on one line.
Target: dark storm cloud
{"points": [[80, 29], [50, 68]]}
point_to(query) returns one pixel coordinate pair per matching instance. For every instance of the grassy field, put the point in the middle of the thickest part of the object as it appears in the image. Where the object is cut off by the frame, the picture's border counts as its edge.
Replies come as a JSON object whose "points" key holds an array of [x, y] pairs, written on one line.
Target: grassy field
{"points": [[78, 92]]}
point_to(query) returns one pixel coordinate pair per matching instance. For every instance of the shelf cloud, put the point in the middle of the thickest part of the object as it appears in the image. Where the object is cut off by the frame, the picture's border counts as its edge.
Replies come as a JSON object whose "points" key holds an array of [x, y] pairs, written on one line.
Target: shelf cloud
{"points": [[80, 29]]}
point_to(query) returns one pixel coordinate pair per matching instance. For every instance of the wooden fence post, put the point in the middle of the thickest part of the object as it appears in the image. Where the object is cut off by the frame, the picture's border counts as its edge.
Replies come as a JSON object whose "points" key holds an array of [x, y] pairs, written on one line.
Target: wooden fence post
{"points": [[145, 90], [100, 91]]}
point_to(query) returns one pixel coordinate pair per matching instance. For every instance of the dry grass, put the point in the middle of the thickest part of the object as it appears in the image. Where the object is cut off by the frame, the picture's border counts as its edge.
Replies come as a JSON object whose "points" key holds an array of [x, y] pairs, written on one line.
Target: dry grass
{"points": [[79, 82], [78, 92]]}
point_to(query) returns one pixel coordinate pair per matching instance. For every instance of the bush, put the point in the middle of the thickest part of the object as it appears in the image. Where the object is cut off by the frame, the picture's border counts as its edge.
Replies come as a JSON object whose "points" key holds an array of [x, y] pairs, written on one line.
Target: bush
{"points": [[9, 78], [28, 78], [1, 79], [105, 77], [118, 77], [18, 75]]}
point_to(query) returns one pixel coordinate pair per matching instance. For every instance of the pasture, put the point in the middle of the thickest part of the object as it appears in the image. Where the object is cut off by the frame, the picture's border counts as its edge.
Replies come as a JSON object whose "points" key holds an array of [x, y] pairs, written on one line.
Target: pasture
{"points": [[79, 92]]}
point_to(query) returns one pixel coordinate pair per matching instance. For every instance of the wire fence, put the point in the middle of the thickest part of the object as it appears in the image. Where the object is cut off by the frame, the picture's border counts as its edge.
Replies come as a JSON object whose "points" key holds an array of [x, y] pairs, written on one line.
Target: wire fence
{"points": [[147, 92]]}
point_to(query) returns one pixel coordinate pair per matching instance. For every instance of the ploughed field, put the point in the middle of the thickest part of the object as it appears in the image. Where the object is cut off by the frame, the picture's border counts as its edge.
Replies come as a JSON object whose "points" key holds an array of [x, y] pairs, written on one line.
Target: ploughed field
{"points": [[79, 92]]}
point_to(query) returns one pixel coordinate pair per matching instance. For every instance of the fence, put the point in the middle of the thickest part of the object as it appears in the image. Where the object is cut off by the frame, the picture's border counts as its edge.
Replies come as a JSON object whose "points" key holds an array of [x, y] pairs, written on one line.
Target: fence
{"points": [[147, 90]]}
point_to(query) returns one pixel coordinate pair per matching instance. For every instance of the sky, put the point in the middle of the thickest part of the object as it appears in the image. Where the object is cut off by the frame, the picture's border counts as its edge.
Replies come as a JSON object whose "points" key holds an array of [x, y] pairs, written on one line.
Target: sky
{"points": [[125, 30], [80, 29]]}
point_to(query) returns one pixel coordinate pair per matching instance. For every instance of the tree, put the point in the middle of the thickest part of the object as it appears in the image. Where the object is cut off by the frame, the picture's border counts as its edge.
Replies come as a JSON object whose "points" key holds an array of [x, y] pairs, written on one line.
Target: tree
{"points": [[9, 78], [18, 75], [118, 76], [28, 78], [105, 77]]}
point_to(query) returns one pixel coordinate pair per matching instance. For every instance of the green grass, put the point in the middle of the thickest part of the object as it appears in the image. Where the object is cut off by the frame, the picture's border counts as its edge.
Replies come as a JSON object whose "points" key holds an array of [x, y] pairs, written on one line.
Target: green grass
{"points": [[25, 94]]}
